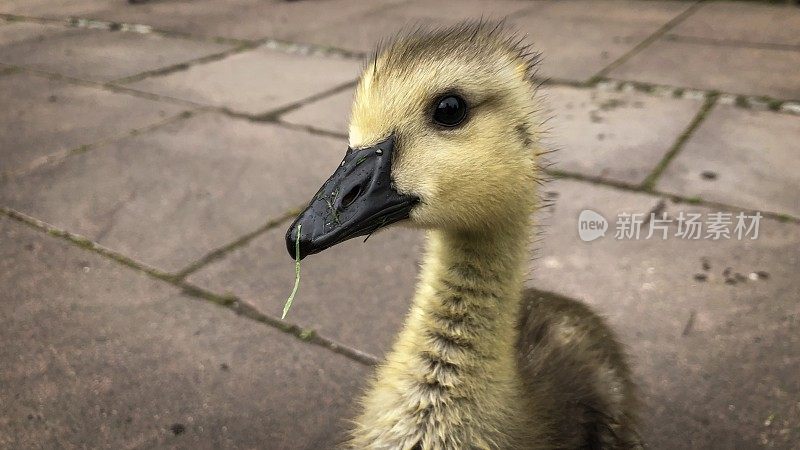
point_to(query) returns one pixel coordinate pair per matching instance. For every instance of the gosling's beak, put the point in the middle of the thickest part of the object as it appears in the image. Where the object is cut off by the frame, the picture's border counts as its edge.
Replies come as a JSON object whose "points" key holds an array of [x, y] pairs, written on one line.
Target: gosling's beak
{"points": [[356, 200]]}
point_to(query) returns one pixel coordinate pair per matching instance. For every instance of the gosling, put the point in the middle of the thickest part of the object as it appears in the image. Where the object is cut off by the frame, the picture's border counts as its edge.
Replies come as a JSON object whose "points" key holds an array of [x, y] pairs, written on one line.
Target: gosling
{"points": [[445, 136]]}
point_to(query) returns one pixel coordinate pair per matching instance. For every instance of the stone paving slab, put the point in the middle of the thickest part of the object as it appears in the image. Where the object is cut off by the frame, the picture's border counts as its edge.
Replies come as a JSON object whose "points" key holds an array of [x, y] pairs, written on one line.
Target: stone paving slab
{"points": [[101, 55], [98, 356], [14, 32], [168, 196], [737, 70], [716, 359], [238, 19], [331, 113], [740, 157], [356, 293], [577, 41], [371, 29], [743, 22], [620, 136], [576, 44], [466, 9], [52, 8], [255, 81], [44, 118], [384, 23]]}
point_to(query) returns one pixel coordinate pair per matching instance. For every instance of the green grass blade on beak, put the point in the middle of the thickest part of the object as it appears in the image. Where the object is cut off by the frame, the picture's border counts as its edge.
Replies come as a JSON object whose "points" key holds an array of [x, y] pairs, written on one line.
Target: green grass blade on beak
{"points": [[296, 274]]}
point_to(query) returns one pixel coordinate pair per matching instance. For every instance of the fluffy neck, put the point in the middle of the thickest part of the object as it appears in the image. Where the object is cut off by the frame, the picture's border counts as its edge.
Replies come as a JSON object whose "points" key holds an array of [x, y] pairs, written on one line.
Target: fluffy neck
{"points": [[451, 380]]}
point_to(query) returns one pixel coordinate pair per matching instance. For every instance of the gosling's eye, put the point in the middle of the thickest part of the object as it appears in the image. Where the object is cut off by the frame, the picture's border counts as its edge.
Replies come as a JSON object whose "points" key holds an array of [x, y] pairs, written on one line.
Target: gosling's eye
{"points": [[450, 111]]}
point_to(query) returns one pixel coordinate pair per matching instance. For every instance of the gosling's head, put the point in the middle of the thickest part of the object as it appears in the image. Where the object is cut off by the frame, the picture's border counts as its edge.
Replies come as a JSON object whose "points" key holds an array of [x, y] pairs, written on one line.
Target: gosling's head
{"points": [[443, 133]]}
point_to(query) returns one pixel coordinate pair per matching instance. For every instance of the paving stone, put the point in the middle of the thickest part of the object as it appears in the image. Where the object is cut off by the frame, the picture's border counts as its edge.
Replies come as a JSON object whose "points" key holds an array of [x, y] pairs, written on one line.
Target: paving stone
{"points": [[52, 8], [738, 70], [383, 24], [14, 32], [101, 55], [740, 157], [371, 29], [710, 381], [95, 355], [240, 19], [168, 196], [620, 136], [577, 41], [743, 22], [357, 293], [466, 9], [331, 113], [44, 118], [256, 81]]}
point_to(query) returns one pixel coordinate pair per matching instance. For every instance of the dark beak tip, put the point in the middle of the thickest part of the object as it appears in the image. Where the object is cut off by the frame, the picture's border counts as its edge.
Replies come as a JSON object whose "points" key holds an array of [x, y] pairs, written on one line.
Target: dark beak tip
{"points": [[292, 244], [291, 241]]}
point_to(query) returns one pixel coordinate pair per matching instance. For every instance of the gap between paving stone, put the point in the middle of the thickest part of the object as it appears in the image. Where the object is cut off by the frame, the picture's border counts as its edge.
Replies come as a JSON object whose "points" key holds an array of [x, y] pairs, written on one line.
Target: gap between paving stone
{"points": [[782, 217], [220, 252], [731, 43], [8, 70], [746, 101], [185, 65], [54, 158], [230, 302], [272, 116], [311, 129], [104, 86], [754, 102], [647, 41], [650, 182], [82, 22], [269, 116]]}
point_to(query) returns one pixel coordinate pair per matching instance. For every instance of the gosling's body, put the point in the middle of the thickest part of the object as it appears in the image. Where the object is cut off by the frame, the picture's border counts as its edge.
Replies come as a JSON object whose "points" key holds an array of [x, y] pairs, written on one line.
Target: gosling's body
{"points": [[479, 363]]}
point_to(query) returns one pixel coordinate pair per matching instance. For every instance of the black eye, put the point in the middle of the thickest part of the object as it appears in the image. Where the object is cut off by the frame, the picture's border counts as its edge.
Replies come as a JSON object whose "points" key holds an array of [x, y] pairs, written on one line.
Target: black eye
{"points": [[450, 111]]}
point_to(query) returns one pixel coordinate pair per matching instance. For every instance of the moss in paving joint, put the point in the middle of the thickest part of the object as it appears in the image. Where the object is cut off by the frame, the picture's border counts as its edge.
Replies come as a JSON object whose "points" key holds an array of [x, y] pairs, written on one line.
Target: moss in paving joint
{"points": [[12, 18], [109, 86], [738, 100], [650, 182], [186, 65], [696, 200], [310, 49], [772, 104], [675, 198], [593, 180], [649, 39], [221, 252], [85, 243], [62, 155], [310, 129], [9, 70], [716, 42], [227, 301], [273, 116], [307, 335], [194, 291], [538, 81], [741, 101]]}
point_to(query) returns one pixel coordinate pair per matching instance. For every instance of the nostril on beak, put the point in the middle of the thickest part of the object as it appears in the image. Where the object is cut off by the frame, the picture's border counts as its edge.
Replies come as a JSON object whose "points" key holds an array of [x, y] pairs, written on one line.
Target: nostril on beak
{"points": [[351, 196]]}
